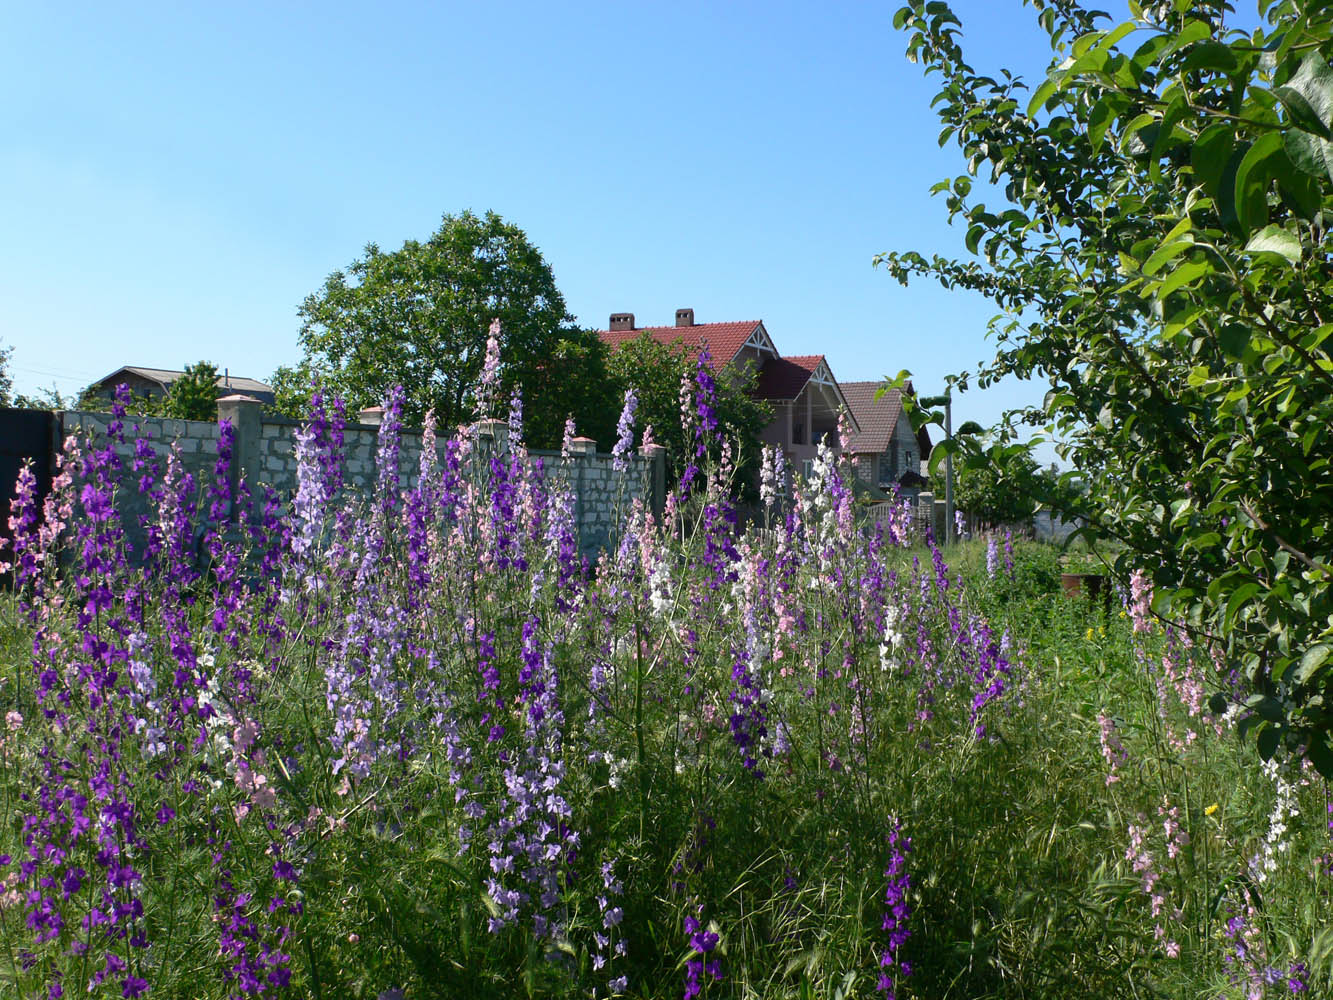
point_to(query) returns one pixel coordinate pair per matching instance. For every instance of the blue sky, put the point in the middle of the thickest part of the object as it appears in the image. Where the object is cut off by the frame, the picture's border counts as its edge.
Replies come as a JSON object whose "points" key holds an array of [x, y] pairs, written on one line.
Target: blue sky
{"points": [[178, 177]]}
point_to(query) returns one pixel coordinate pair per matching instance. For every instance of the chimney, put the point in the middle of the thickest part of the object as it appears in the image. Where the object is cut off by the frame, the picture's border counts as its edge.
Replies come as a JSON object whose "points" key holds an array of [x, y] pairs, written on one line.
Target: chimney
{"points": [[685, 317], [622, 321]]}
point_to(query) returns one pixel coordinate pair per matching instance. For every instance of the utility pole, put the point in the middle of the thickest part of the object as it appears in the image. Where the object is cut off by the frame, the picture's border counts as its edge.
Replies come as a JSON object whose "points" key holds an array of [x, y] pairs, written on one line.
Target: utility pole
{"points": [[947, 402]]}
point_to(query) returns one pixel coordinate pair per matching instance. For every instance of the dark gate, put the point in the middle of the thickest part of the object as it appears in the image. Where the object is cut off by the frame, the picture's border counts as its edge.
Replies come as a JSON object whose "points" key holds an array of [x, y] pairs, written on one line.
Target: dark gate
{"points": [[25, 436]]}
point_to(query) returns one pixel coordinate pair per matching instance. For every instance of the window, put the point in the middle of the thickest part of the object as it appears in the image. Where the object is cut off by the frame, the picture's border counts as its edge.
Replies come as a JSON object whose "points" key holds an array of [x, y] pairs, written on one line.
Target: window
{"points": [[907, 461], [798, 433], [888, 467]]}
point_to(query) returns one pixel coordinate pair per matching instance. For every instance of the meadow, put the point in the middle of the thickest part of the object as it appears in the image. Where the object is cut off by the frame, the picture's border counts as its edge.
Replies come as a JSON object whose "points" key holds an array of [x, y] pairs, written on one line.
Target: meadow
{"points": [[409, 745]]}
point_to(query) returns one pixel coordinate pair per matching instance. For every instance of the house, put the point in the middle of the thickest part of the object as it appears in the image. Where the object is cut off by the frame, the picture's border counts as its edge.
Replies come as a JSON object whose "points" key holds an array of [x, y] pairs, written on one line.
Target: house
{"points": [[155, 382], [886, 452], [805, 397]]}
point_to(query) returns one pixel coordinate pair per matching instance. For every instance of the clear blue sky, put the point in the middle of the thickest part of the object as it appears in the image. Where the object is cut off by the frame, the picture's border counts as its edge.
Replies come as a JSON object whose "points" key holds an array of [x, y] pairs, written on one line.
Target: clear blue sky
{"points": [[177, 177]]}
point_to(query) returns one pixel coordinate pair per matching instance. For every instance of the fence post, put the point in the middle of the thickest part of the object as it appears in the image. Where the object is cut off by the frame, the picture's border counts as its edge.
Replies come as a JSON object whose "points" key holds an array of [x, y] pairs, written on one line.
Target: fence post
{"points": [[582, 451], [656, 457], [244, 414]]}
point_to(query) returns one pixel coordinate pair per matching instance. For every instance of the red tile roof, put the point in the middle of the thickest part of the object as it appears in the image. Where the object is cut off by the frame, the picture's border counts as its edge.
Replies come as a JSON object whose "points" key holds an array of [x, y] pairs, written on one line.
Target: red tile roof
{"points": [[784, 378], [877, 417], [724, 340]]}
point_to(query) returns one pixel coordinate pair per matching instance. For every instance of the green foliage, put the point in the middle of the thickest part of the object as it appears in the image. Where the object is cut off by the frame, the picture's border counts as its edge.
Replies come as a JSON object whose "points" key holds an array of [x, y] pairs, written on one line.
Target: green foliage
{"points": [[194, 395], [1161, 260], [419, 317], [43, 399], [572, 379], [291, 390], [655, 372], [1000, 485], [6, 378]]}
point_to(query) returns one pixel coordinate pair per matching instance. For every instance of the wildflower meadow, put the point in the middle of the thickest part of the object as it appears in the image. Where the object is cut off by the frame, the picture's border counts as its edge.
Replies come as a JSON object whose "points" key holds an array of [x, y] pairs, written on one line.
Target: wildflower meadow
{"points": [[410, 745]]}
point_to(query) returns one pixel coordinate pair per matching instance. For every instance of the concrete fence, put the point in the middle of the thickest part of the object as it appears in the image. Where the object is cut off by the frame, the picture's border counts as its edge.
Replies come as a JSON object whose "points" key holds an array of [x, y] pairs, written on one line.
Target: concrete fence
{"points": [[264, 454]]}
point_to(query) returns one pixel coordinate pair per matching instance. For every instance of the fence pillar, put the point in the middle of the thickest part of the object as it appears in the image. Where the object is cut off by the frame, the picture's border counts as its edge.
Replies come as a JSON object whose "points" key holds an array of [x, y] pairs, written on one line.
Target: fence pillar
{"points": [[244, 414], [582, 452], [493, 436], [656, 457]]}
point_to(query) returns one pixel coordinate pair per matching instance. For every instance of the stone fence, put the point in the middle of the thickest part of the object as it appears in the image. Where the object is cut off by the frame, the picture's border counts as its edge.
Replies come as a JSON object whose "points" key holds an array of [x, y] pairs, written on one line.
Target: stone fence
{"points": [[265, 454]]}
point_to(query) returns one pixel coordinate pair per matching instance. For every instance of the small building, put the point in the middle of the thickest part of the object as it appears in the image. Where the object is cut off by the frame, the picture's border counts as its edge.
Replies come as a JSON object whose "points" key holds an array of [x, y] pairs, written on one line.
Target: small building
{"points": [[886, 452], [805, 396], [155, 382]]}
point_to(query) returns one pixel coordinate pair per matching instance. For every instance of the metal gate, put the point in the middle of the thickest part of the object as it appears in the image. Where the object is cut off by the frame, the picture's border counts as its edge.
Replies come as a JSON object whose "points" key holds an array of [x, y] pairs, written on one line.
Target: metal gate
{"points": [[25, 436]]}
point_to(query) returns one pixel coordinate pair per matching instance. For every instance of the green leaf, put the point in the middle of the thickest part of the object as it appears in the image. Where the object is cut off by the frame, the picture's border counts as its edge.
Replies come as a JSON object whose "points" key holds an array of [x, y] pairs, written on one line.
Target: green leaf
{"points": [[1309, 153], [1308, 96], [1312, 660], [1166, 254], [1185, 274], [1238, 597], [1233, 339], [1320, 756], [1039, 99], [1211, 55], [1275, 240], [1268, 741], [1210, 154], [1252, 179]]}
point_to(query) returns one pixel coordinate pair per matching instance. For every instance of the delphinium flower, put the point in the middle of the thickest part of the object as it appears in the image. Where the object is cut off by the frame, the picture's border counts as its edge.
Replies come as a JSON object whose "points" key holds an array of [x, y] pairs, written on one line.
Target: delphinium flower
{"points": [[991, 673], [1140, 855], [702, 962], [258, 965], [1140, 587], [992, 556], [1286, 807], [624, 445], [28, 556], [489, 384], [1008, 553], [768, 491], [531, 839], [609, 939], [897, 913], [1112, 748], [567, 440], [960, 524], [80, 827]]}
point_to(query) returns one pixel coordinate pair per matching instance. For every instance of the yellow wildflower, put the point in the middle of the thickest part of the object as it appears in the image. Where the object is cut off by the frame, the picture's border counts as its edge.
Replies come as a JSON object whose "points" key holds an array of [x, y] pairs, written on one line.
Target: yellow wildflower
{"points": [[1089, 635], [1210, 810]]}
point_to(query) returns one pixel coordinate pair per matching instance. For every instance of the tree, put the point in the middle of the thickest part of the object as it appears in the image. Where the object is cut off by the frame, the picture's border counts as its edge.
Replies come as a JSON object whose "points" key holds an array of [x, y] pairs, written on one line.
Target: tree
{"points": [[193, 396], [6, 379], [1162, 262], [995, 486], [43, 399], [419, 317], [655, 371]]}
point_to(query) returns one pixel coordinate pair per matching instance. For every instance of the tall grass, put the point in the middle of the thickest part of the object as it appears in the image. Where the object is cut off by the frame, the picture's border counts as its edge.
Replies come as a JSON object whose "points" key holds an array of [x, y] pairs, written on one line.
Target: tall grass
{"points": [[352, 746]]}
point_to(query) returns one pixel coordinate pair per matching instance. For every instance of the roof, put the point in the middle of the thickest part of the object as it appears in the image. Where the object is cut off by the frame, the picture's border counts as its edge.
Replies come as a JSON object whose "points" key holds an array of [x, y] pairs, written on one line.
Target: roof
{"points": [[724, 340], [877, 417], [165, 376], [784, 378]]}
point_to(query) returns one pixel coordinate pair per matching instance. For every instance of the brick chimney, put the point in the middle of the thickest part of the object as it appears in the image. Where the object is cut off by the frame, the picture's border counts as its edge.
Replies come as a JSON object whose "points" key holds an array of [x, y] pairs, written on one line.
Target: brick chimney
{"points": [[685, 317], [622, 321]]}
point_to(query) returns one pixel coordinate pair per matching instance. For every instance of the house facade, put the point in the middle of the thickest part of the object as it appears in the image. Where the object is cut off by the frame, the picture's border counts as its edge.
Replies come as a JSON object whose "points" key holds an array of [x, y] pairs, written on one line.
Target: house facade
{"points": [[156, 382], [886, 452], [805, 397]]}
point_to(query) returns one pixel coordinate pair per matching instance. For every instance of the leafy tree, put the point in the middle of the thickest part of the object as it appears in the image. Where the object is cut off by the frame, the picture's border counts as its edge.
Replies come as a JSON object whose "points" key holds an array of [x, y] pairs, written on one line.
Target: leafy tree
{"points": [[194, 395], [43, 399], [6, 379], [1161, 258], [571, 380], [996, 486], [655, 370], [419, 316]]}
